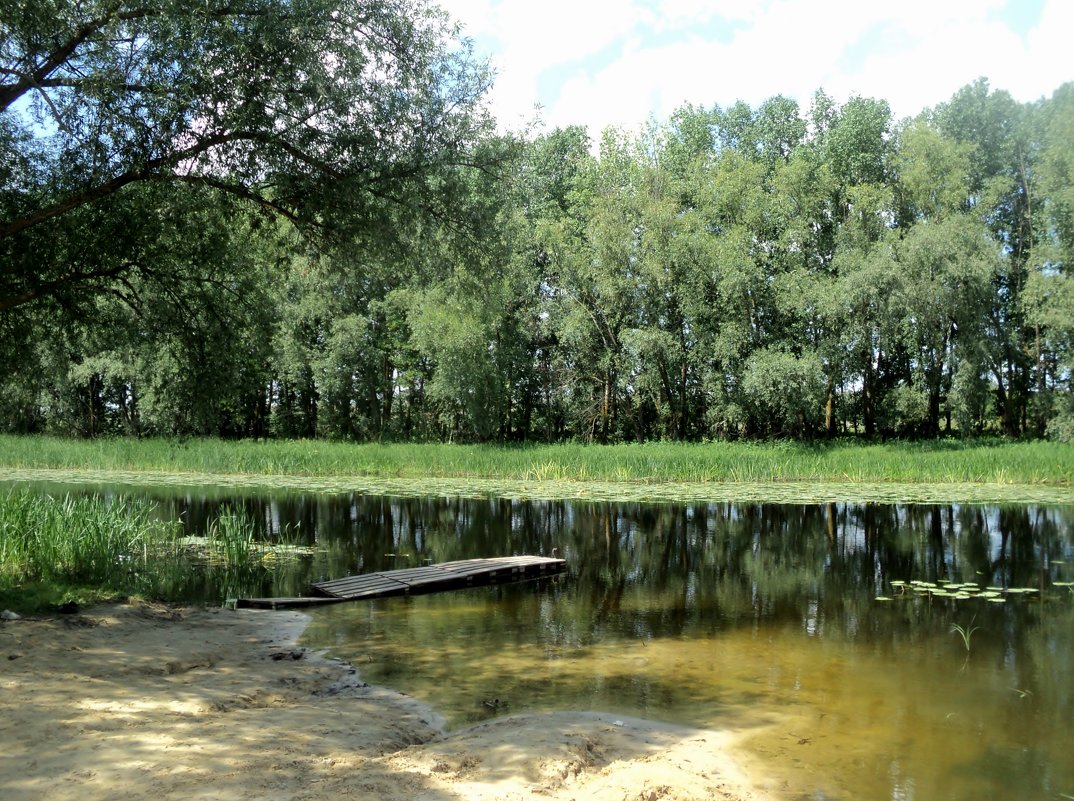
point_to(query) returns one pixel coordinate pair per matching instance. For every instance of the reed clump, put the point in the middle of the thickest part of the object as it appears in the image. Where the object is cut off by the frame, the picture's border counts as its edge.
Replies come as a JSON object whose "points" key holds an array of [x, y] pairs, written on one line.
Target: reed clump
{"points": [[77, 539], [86, 545], [91, 547]]}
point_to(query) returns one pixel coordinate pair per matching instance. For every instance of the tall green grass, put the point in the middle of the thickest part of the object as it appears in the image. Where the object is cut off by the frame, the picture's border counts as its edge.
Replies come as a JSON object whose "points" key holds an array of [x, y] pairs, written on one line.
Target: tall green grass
{"points": [[84, 548], [80, 540], [987, 461]]}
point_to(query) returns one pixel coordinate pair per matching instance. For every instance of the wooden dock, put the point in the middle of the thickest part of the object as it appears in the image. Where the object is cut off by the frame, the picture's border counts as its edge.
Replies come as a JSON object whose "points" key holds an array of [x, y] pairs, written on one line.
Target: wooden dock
{"points": [[418, 581]]}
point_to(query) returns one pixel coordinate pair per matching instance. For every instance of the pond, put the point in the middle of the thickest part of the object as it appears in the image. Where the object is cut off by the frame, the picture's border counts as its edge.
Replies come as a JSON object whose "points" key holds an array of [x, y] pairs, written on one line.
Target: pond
{"points": [[763, 618]]}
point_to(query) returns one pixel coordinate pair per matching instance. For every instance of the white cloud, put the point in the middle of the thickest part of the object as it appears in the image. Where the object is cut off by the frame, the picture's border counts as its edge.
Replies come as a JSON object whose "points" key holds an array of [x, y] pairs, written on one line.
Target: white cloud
{"points": [[1049, 57], [600, 62]]}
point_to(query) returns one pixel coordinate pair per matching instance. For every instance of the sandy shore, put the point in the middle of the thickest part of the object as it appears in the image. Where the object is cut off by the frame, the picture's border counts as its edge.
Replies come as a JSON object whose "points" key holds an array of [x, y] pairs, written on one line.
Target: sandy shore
{"points": [[146, 702]]}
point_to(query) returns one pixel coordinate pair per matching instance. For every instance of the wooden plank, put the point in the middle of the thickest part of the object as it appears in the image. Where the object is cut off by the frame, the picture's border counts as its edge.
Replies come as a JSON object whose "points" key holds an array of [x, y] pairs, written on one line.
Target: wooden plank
{"points": [[285, 603], [443, 576], [418, 580], [360, 585]]}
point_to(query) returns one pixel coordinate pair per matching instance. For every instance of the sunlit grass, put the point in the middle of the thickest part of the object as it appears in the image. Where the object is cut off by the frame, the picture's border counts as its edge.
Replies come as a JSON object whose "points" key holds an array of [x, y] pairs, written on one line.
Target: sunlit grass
{"points": [[944, 462], [77, 539]]}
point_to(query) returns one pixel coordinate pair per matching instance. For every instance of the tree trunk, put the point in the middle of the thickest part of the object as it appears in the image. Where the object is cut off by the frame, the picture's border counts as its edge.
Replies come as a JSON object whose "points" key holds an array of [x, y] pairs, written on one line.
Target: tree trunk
{"points": [[1001, 397], [867, 410], [829, 412]]}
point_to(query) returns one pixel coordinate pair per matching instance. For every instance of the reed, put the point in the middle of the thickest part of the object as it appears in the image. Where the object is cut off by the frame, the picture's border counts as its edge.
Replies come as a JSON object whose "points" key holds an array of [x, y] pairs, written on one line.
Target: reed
{"points": [[84, 548], [966, 633], [232, 538], [80, 545], [939, 462]]}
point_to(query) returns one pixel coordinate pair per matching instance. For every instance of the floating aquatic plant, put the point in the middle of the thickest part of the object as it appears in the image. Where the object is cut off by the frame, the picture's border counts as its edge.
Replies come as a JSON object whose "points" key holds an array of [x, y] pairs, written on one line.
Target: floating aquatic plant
{"points": [[947, 589]]}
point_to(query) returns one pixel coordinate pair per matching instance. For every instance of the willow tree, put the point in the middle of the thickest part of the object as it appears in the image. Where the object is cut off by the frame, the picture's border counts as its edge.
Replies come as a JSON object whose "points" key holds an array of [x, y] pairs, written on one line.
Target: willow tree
{"points": [[331, 114]]}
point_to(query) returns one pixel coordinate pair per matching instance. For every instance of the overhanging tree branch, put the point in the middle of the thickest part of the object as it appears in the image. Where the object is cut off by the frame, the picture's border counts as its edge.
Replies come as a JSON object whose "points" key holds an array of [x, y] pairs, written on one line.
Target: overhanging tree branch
{"points": [[55, 59], [47, 288], [238, 190], [147, 172]]}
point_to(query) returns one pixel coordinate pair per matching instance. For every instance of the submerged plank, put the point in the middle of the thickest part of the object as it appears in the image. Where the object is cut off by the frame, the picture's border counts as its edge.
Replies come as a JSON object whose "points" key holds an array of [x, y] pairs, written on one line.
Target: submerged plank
{"points": [[284, 603]]}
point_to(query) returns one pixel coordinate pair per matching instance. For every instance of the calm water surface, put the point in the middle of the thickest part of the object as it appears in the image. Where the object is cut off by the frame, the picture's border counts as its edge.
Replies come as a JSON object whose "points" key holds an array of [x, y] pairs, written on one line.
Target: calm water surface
{"points": [[758, 618]]}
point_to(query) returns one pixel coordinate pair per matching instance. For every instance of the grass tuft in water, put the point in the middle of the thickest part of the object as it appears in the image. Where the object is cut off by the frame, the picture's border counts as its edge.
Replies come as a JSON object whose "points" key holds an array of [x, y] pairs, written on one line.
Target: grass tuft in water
{"points": [[965, 632], [233, 539]]}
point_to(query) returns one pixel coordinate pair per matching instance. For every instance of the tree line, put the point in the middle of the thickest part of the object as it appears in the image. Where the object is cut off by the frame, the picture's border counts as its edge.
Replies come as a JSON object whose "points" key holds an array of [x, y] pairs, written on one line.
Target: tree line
{"points": [[296, 219]]}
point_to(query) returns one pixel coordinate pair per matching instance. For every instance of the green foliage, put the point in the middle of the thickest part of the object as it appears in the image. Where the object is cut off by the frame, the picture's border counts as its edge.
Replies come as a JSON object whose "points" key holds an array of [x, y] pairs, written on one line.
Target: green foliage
{"points": [[87, 548], [1061, 427], [399, 272], [155, 152], [970, 399], [933, 172], [857, 143], [784, 393], [459, 333]]}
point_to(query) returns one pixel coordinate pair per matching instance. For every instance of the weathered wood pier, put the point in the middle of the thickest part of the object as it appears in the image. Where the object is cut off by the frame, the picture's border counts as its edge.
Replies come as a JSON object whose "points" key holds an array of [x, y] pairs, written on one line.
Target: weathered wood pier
{"points": [[417, 581]]}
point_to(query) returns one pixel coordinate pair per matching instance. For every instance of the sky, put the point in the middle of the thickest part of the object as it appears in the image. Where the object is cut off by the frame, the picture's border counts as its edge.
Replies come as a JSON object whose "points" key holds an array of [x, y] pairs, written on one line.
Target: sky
{"points": [[616, 62]]}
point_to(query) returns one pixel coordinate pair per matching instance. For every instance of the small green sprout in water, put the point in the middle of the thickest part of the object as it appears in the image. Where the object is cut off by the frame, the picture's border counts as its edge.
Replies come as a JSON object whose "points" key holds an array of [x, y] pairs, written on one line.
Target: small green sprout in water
{"points": [[966, 633]]}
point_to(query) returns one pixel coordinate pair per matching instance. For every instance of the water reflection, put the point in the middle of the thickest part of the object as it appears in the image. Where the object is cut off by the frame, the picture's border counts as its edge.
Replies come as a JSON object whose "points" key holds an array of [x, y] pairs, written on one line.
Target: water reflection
{"points": [[758, 617], [762, 618]]}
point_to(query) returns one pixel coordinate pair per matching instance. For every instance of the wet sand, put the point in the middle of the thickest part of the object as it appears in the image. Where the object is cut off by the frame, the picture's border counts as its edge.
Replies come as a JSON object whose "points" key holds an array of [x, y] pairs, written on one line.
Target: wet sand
{"points": [[149, 702]]}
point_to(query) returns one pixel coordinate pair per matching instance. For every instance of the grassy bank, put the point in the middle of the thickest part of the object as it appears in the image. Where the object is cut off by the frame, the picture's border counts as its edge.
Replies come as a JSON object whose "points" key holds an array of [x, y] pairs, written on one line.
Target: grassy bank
{"points": [[83, 549], [54, 550], [985, 462]]}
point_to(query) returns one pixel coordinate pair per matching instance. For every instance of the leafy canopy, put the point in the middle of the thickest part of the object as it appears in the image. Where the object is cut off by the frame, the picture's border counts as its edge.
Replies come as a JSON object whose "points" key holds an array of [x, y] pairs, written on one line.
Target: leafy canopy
{"points": [[330, 113]]}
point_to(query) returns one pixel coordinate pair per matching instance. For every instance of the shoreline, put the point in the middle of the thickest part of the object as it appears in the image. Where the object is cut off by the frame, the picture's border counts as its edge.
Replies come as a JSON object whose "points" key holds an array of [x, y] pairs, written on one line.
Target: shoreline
{"points": [[141, 700]]}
